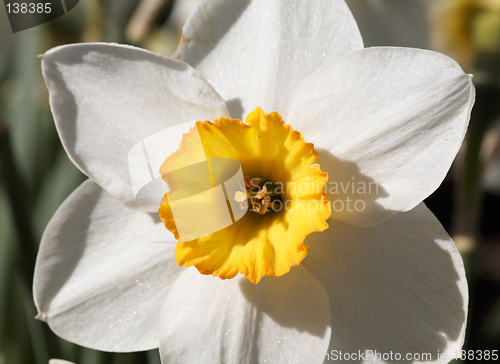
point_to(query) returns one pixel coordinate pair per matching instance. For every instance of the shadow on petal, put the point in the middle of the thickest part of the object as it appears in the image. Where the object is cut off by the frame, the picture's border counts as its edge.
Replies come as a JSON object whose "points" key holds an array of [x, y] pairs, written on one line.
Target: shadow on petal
{"points": [[235, 108], [353, 195], [206, 38], [295, 300], [278, 320], [397, 287]]}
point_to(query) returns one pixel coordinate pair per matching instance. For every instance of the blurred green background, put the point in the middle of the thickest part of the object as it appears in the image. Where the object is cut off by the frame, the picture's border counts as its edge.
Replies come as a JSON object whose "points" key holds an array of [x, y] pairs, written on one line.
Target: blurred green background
{"points": [[36, 175]]}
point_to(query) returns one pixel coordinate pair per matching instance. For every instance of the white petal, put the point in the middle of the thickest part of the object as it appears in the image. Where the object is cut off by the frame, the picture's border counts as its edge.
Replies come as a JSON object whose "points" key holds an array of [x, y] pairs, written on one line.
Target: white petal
{"points": [[398, 287], [255, 53], [279, 320], [60, 361], [106, 98], [103, 271], [387, 123]]}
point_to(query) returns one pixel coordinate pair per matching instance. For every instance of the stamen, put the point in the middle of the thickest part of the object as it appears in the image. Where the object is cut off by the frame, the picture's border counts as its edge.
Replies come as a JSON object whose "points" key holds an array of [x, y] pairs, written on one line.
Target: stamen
{"points": [[250, 185], [260, 201], [262, 193], [261, 206]]}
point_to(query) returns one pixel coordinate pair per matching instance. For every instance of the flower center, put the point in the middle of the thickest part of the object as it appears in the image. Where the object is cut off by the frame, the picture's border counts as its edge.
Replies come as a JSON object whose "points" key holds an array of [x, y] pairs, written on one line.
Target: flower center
{"points": [[258, 196], [279, 200]]}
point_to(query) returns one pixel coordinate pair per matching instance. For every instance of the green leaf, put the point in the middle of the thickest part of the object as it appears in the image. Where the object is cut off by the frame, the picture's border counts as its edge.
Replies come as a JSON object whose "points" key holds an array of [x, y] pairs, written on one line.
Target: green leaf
{"points": [[62, 179]]}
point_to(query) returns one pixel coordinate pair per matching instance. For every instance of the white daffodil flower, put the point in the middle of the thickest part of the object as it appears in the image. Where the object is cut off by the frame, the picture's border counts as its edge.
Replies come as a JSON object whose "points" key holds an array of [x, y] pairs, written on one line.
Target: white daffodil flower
{"points": [[386, 124]]}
